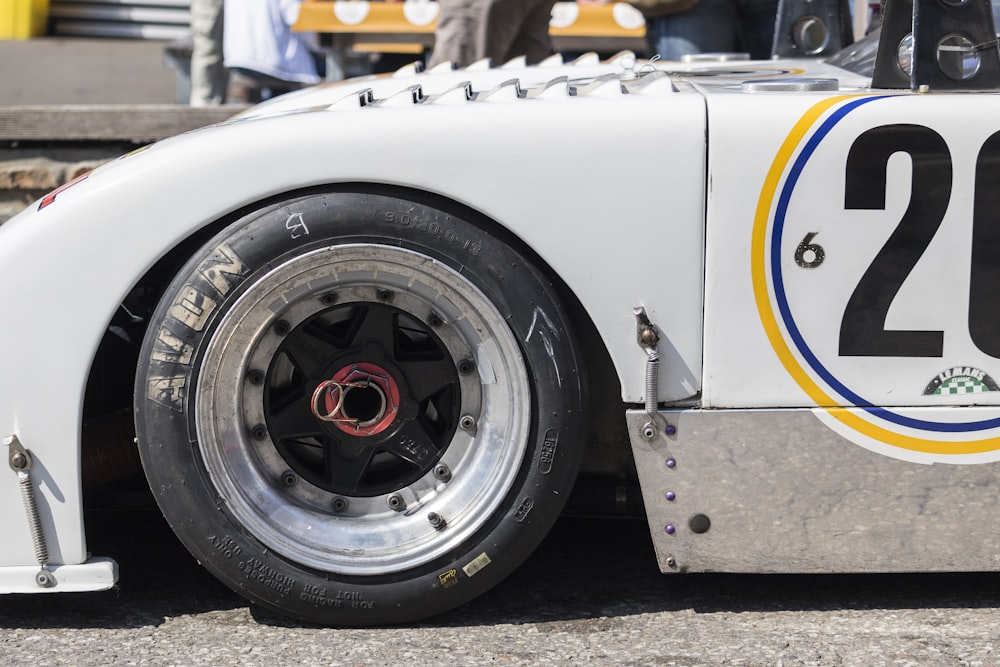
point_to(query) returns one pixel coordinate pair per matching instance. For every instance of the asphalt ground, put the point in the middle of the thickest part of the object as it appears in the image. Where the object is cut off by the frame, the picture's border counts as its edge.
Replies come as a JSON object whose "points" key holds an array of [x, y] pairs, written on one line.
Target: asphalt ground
{"points": [[60, 71], [590, 595]]}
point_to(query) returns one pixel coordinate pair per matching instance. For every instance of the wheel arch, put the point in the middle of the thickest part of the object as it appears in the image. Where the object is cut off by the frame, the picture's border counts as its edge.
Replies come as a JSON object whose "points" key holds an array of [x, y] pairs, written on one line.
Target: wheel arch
{"points": [[107, 446]]}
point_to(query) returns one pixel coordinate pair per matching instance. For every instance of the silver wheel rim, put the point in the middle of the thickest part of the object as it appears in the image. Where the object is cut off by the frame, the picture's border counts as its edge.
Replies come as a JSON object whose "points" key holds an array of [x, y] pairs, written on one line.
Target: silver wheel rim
{"points": [[398, 528]]}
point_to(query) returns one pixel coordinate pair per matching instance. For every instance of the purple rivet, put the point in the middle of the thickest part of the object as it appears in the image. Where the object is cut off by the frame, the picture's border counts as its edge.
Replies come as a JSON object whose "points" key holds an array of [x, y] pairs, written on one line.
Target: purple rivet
{"points": [[671, 463], [670, 495], [670, 529], [671, 429]]}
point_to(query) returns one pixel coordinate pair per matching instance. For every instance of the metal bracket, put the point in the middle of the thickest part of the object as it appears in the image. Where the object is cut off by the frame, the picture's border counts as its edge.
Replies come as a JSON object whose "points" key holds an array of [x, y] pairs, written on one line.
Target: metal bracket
{"points": [[811, 28], [648, 337], [954, 46], [20, 461]]}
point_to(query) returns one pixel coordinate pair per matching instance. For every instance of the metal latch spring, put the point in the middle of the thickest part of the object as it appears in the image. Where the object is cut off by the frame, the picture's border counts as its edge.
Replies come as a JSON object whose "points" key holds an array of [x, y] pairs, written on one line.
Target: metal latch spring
{"points": [[20, 462], [648, 338]]}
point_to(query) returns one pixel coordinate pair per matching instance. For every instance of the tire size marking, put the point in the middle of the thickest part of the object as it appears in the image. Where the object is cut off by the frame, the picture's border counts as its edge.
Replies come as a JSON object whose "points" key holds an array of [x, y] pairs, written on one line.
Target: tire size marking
{"points": [[432, 228]]}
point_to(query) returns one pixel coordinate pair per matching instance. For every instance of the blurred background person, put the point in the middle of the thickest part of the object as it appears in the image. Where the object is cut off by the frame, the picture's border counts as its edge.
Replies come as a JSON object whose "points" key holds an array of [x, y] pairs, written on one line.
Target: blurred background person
{"points": [[470, 30], [264, 56], [209, 76], [676, 28], [715, 26]]}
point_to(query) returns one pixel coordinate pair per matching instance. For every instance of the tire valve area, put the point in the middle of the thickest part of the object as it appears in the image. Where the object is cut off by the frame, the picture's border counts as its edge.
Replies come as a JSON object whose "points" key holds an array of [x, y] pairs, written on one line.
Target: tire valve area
{"points": [[437, 521]]}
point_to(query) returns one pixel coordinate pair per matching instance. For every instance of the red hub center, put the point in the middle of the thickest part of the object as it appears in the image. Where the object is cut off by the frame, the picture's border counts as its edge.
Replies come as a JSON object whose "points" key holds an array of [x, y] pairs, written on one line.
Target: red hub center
{"points": [[360, 399]]}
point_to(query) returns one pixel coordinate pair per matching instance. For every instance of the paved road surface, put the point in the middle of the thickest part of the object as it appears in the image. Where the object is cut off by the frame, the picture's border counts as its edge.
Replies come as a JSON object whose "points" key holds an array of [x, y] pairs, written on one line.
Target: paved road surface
{"points": [[590, 595]]}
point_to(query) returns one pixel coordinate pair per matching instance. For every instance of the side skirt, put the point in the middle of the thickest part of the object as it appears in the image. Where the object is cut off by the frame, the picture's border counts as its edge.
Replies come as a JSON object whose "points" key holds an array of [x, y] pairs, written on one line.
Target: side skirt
{"points": [[769, 491]]}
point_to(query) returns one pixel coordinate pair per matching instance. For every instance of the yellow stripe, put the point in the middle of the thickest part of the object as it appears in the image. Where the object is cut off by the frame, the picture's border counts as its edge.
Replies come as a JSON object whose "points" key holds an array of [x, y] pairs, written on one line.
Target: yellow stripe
{"points": [[760, 287]]}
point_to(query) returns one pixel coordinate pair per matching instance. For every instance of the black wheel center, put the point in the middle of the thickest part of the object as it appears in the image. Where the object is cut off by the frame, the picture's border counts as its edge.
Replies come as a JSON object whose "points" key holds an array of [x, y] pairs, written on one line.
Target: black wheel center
{"points": [[361, 399]]}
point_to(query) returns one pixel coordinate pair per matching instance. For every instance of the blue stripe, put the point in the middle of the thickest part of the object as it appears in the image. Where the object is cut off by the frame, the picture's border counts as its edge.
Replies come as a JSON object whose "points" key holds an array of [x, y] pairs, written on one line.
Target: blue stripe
{"points": [[779, 292]]}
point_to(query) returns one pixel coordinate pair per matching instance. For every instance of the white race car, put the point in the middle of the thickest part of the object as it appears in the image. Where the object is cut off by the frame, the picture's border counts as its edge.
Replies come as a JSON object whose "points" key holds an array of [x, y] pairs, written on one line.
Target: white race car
{"points": [[367, 333]]}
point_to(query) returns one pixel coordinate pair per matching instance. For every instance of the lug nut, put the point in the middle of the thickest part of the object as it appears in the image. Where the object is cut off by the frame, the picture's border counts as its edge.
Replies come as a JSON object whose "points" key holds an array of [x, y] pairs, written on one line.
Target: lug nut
{"points": [[442, 472], [437, 521], [339, 504], [259, 432], [282, 327], [289, 478], [384, 295], [466, 366], [467, 423], [256, 377], [396, 502], [328, 299], [434, 320]]}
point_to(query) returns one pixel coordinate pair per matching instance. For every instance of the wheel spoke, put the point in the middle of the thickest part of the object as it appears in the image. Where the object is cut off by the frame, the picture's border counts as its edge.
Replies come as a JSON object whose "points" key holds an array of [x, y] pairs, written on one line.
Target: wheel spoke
{"points": [[412, 444], [377, 325], [428, 378], [309, 352], [346, 472], [294, 421]]}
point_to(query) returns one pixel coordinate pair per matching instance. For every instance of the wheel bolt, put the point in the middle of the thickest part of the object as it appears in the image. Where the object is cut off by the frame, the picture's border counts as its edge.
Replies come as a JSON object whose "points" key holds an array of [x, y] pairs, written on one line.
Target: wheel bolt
{"points": [[466, 366], [282, 327], [328, 299], [442, 472], [339, 504], [396, 502], [259, 432], [384, 295], [256, 377], [289, 478], [467, 423], [434, 320], [437, 521]]}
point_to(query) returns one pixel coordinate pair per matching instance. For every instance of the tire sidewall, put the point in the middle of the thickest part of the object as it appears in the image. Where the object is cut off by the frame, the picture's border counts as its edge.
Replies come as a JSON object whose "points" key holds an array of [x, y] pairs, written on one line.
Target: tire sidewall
{"points": [[168, 375]]}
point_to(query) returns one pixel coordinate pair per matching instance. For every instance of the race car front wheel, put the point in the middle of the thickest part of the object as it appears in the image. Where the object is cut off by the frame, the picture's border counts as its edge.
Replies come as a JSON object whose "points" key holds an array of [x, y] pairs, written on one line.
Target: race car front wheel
{"points": [[359, 409]]}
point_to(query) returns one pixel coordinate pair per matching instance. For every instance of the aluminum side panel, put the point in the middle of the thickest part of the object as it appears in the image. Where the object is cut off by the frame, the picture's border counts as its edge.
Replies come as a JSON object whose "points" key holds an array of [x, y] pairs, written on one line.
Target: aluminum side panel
{"points": [[784, 493]]}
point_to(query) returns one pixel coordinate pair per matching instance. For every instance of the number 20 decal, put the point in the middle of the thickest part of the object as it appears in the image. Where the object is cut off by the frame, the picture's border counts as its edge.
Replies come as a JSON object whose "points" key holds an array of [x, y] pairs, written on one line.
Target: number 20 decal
{"points": [[864, 331]]}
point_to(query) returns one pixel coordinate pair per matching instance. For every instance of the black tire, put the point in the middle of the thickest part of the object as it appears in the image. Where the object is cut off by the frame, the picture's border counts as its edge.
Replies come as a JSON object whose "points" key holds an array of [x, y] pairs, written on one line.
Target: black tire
{"points": [[358, 409]]}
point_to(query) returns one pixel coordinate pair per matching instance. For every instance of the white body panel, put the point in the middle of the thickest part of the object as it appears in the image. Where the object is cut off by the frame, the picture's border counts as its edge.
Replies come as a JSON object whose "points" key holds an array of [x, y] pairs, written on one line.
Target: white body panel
{"points": [[541, 170], [792, 320]]}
